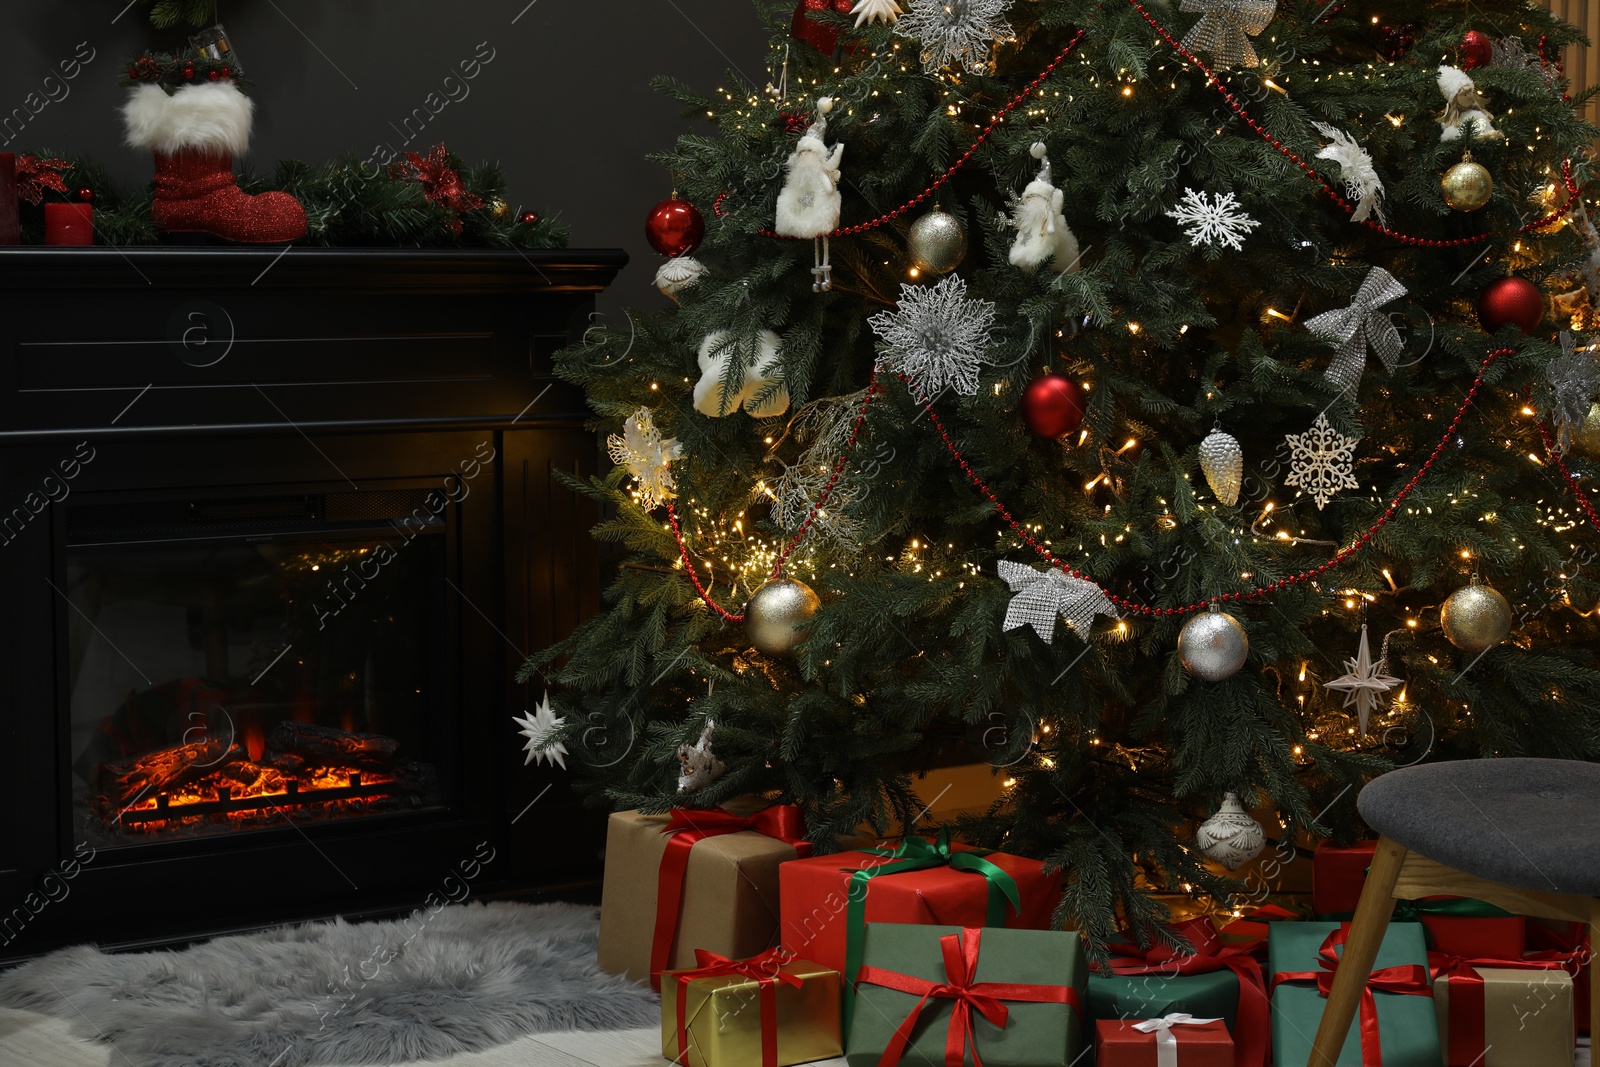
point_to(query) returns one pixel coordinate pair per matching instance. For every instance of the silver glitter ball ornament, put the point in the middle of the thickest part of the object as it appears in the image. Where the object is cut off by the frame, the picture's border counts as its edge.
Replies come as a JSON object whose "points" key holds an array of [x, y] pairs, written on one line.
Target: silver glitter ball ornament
{"points": [[938, 242], [1222, 461], [1230, 837], [1213, 645], [1475, 618], [775, 612]]}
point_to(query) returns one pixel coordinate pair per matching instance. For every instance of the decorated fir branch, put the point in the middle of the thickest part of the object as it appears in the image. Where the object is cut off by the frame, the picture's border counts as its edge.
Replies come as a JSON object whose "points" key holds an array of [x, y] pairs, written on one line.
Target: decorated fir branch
{"points": [[1113, 525], [165, 14]]}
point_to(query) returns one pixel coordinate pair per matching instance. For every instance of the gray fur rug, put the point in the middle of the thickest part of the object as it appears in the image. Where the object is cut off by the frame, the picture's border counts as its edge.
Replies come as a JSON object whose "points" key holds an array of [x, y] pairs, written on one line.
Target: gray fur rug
{"points": [[459, 979]]}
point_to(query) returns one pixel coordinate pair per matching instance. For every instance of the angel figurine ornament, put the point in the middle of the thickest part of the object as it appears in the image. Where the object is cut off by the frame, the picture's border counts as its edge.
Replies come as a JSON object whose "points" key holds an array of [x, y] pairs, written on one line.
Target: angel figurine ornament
{"points": [[808, 206], [1042, 232], [1464, 103]]}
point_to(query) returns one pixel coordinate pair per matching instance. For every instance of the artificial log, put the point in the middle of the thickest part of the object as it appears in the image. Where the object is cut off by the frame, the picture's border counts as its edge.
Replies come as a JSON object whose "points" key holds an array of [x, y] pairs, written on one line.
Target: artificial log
{"points": [[321, 745], [122, 781]]}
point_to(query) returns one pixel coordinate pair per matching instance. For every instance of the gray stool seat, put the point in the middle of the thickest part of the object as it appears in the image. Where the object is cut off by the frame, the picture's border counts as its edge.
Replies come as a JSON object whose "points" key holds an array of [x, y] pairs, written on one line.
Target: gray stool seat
{"points": [[1525, 823]]}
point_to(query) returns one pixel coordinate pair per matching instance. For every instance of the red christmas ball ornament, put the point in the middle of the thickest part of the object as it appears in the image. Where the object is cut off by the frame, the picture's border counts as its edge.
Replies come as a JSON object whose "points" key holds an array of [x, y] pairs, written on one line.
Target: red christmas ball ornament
{"points": [[528, 218], [675, 227], [1476, 50], [1511, 300], [823, 38], [1052, 405]]}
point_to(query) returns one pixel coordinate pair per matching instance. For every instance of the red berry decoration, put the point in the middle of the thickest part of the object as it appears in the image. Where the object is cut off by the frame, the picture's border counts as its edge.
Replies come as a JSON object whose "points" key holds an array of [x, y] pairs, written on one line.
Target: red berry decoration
{"points": [[528, 218], [214, 75], [227, 72], [823, 38], [188, 73], [675, 227], [1398, 40], [1052, 406], [85, 195], [1513, 300], [1476, 50]]}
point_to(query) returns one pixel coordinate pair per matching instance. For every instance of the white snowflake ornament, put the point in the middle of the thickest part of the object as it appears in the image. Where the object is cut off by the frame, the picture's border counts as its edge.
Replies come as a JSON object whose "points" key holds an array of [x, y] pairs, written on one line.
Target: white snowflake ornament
{"points": [[1365, 681], [1321, 461], [1215, 221], [537, 726], [647, 456], [868, 11], [956, 32], [937, 336]]}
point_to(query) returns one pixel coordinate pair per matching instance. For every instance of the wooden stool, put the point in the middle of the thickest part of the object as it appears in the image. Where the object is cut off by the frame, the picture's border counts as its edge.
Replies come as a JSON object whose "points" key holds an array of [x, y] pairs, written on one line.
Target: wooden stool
{"points": [[1522, 834]]}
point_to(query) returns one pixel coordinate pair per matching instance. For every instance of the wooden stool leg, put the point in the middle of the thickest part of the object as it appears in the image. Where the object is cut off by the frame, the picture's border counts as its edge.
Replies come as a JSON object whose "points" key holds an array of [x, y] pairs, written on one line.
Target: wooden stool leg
{"points": [[1360, 949]]}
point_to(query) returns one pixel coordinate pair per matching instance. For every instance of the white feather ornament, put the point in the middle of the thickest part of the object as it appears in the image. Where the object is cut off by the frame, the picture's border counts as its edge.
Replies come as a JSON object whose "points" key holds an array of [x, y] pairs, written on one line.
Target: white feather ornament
{"points": [[1042, 231], [760, 401], [808, 205], [1361, 181]]}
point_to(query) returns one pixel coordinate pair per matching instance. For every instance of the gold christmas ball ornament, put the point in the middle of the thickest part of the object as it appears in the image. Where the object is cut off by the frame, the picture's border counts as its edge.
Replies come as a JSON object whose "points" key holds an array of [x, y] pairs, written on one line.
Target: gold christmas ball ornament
{"points": [[1467, 185], [1213, 645], [1475, 618], [499, 208], [1586, 442], [937, 243], [774, 614]]}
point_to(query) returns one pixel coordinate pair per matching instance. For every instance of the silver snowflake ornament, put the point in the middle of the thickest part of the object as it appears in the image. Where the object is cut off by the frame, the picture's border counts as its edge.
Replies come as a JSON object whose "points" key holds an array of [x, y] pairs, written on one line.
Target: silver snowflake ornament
{"points": [[538, 726], [647, 456], [1321, 461], [1365, 681], [1571, 381], [1215, 221], [956, 32], [937, 336], [1042, 595], [1225, 29]]}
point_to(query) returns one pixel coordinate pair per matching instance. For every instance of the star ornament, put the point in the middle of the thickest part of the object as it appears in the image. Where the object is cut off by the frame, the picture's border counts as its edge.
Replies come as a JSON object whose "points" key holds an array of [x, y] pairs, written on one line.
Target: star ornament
{"points": [[538, 726], [1321, 461], [869, 11], [1365, 682], [1042, 595]]}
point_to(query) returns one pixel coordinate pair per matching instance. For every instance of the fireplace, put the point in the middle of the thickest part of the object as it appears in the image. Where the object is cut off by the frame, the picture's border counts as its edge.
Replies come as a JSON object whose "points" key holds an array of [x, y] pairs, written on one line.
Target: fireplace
{"points": [[266, 605]]}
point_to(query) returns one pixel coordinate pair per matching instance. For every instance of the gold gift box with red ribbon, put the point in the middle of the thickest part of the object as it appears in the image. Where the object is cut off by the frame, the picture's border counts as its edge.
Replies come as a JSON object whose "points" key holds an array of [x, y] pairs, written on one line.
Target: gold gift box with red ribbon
{"points": [[1495, 1013], [771, 1010]]}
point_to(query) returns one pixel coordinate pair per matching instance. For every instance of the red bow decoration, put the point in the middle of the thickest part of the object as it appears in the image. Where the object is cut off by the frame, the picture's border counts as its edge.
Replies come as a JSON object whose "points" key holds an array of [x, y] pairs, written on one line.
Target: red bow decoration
{"points": [[441, 182], [765, 970], [785, 822], [35, 175], [1407, 979], [1253, 1023], [1466, 1032], [960, 965]]}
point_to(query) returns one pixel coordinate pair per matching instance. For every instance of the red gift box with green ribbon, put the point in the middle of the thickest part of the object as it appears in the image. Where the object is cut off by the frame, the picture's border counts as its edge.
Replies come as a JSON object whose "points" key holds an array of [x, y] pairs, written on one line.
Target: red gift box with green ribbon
{"points": [[826, 901]]}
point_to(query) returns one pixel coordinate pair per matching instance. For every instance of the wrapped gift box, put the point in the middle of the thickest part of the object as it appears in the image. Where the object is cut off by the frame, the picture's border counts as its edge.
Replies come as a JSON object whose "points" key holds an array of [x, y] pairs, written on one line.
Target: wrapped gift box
{"points": [[1495, 1017], [1571, 939], [1038, 975], [1121, 1043], [1338, 873], [771, 1010], [731, 880], [817, 893], [1408, 1031]]}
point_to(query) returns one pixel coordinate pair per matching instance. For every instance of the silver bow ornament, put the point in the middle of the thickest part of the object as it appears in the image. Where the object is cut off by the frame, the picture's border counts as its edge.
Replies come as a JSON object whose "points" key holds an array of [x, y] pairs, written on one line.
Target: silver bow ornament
{"points": [[1225, 29], [1042, 595], [1361, 324], [1572, 380], [1166, 1041]]}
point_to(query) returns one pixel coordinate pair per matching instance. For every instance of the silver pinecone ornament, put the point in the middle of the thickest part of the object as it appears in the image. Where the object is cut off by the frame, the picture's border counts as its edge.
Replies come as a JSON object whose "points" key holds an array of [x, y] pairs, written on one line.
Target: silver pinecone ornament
{"points": [[1222, 461], [1230, 837]]}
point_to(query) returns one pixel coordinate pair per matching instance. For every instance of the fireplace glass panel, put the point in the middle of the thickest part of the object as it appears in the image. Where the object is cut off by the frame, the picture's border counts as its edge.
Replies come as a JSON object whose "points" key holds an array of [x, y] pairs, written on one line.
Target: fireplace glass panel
{"points": [[251, 681]]}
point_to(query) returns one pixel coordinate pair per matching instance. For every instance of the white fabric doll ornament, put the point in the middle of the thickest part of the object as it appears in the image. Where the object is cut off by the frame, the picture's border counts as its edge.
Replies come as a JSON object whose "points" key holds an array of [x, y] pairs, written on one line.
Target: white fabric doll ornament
{"points": [[808, 206], [1463, 101], [754, 396], [1042, 231]]}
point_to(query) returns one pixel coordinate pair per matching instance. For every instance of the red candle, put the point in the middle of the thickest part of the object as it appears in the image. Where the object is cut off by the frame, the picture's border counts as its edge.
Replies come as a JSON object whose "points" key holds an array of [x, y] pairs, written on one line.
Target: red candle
{"points": [[69, 224], [10, 234]]}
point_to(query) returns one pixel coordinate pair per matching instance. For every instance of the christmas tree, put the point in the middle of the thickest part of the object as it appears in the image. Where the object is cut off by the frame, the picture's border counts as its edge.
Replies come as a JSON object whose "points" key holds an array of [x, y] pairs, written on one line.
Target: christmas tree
{"points": [[1157, 401]]}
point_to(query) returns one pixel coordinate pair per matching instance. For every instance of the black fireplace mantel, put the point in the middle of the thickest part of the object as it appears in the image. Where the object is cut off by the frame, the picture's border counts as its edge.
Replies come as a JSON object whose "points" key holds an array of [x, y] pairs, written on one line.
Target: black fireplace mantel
{"points": [[193, 378]]}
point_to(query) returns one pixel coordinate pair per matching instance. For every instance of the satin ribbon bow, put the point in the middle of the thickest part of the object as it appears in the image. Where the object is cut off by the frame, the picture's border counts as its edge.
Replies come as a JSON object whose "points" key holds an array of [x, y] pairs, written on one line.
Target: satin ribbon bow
{"points": [[1465, 1037], [1406, 980], [1253, 1020], [784, 822], [1226, 27], [1361, 324], [918, 854], [765, 970], [1042, 595], [960, 952], [1166, 1041]]}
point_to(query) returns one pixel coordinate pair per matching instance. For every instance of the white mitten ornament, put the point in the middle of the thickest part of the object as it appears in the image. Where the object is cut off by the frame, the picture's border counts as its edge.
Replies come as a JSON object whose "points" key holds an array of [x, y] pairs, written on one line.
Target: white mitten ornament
{"points": [[1462, 102], [1042, 232], [761, 402], [808, 206]]}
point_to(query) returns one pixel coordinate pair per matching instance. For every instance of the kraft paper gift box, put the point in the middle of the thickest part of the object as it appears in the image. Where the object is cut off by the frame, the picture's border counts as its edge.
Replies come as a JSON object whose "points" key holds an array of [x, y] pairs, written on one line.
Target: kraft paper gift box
{"points": [[1038, 976], [1501, 1017], [771, 1010], [1121, 1043], [728, 887], [1401, 1000]]}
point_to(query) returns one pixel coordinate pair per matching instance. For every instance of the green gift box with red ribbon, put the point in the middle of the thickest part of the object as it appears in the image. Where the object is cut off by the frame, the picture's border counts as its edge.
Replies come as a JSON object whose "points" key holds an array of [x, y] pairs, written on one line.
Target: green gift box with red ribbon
{"points": [[1395, 1024], [946, 995]]}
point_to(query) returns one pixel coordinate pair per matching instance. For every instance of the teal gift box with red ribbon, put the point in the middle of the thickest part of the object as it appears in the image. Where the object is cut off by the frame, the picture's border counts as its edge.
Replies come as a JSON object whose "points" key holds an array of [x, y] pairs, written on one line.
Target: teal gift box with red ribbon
{"points": [[944, 995], [1395, 1024], [826, 902]]}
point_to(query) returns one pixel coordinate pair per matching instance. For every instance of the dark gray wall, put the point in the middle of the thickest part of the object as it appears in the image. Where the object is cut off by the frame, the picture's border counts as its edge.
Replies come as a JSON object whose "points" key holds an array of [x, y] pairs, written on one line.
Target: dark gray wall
{"points": [[565, 103]]}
